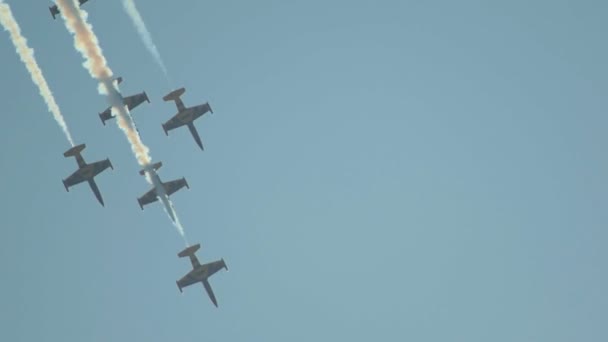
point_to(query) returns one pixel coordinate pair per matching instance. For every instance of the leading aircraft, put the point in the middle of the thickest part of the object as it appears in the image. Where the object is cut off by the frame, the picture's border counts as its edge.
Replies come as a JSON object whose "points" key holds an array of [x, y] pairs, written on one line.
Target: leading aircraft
{"points": [[200, 273], [55, 10], [170, 186], [185, 115], [85, 172], [129, 101]]}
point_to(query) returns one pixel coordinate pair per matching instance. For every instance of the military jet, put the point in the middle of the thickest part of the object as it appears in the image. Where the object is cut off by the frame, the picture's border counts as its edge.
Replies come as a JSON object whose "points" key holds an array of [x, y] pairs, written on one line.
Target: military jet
{"points": [[170, 186], [185, 116], [129, 101], [200, 273], [85, 172], [55, 10]]}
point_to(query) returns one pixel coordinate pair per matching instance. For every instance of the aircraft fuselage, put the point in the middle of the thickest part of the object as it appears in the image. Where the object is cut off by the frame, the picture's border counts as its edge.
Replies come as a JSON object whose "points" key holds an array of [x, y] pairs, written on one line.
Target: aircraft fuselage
{"points": [[197, 275], [189, 115], [87, 172]]}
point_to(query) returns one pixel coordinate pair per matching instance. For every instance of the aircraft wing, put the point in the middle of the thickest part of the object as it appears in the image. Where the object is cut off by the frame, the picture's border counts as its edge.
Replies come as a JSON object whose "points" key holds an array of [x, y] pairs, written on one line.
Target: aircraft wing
{"points": [[99, 166], [105, 115], [174, 185], [187, 280], [174, 123], [75, 178], [147, 198], [135, 100], [201, 109], [214, 266]]}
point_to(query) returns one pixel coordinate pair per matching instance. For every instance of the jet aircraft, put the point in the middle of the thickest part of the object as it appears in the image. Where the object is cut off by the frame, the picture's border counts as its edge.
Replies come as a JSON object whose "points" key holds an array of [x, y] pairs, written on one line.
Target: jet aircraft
{"points": [[200, 273], [185, 116], [85, 172], [129, 101], [170, 186], [55, 10]]}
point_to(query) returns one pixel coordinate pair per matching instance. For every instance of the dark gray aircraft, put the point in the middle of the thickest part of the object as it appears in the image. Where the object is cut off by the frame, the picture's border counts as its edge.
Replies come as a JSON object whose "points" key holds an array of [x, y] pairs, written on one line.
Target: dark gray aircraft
{"points": [[85, 172], [55, 10], [185, 116], [200, 273], [129, 101], [170, 186]]}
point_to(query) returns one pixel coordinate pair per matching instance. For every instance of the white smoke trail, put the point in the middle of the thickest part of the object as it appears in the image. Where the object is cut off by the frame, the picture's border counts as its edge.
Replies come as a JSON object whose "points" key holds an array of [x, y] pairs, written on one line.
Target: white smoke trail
{"points": [[144, 34], [153, 178], [27, 57], [87, 44]]}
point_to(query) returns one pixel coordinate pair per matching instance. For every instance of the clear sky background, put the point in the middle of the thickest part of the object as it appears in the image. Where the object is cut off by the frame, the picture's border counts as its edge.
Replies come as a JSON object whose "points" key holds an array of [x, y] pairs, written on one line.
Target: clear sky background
{"points": [[374, 171]]}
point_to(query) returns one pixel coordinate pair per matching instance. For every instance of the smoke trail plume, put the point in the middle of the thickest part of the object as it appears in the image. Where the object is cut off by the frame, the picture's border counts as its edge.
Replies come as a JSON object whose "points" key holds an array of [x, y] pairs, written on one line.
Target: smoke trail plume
{"points": [[153, 178], [27, 57], [144, 34], [87, 44]]}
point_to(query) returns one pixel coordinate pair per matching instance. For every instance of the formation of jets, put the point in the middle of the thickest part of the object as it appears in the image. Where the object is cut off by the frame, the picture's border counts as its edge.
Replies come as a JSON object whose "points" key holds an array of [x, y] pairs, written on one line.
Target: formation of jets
{"points": [[185, 116]]}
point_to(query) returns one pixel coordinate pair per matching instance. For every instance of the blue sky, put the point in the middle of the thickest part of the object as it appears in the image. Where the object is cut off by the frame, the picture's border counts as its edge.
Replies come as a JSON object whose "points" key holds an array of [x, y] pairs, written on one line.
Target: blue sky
{"points": [[387, 170]]}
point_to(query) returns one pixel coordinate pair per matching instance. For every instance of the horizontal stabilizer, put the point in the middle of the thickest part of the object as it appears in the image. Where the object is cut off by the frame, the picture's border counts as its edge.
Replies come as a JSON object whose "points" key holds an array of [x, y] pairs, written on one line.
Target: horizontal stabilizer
{"points": [[155, 166], [189, 251], [174, 95], [74, 150]]}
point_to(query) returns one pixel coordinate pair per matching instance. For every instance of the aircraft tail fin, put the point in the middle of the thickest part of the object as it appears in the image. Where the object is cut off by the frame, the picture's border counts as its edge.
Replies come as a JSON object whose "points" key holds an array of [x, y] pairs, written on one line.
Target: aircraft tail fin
{"points": [[154, 166], [174, 95], [189, 251], [74, 151]]}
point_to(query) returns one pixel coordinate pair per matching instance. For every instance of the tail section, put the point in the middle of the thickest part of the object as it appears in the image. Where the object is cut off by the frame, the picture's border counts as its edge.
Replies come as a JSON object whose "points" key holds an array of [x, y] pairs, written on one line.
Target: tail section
{"points": [[74, 151], [189, 251], [174, 95], [155, 166]]}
